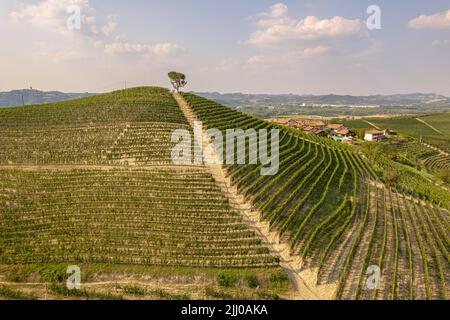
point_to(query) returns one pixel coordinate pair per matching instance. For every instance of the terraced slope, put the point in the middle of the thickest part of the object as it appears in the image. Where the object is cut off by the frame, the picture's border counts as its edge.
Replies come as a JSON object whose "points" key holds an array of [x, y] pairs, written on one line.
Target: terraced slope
{"points": [[153, 217], [125, 126], [328, 204], [91, 182]]}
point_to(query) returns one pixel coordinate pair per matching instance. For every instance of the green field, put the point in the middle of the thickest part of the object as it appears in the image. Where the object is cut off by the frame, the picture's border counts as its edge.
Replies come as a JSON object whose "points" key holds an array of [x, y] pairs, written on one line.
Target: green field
{"points": [[439, 121], [412, 127], [421, 143]]}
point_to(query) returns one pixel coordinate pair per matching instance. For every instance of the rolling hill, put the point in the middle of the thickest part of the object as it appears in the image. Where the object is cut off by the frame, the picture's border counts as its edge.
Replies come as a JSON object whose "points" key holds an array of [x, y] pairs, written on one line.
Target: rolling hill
{"points": [[31, 96], [90, 182], [412, 99], [429, 135], [273, 106]]}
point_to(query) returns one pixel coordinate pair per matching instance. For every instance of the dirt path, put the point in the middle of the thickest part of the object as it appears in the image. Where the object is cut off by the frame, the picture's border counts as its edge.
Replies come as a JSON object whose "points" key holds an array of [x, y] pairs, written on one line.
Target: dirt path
{"points": [[94, 284], [304, 281], [429, 125], [441, 152], [373, 125], [99, 286], [68, 167]]}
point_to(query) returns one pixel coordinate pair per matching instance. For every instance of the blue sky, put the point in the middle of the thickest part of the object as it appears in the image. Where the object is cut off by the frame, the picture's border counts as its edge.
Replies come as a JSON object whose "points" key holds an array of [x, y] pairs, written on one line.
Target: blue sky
{"points": [[304, 47]]}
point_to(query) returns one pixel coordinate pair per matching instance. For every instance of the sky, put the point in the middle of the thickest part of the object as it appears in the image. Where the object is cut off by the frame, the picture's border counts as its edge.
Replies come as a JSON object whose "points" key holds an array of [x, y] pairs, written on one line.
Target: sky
{"points": [[252, 46]]}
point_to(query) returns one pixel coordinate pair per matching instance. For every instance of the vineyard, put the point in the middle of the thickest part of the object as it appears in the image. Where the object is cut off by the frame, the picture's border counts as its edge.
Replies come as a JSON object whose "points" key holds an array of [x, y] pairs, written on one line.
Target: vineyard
{"points": [[415, 158], [432, 130], [152, 217], [330, 206], [439, 162], [116, 128], [417, 154], [91, 182]]}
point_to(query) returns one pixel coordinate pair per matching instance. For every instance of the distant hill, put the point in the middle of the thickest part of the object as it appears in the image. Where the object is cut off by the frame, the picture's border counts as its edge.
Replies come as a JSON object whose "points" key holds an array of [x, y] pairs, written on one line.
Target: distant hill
{"points": [[272, 106], [413, 99], [31, 96]]}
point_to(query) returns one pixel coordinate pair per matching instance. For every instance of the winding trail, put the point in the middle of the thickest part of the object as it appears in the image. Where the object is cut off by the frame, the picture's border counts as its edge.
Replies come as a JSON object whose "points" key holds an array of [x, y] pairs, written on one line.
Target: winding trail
{"points": [[372, 124], [441, 152], [429, 125], [304, 281]]}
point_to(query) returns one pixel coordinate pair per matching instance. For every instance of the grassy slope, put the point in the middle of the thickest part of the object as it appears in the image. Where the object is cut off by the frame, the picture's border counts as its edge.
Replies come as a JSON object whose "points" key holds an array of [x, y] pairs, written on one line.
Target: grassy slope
{"points": [[410, 126]]}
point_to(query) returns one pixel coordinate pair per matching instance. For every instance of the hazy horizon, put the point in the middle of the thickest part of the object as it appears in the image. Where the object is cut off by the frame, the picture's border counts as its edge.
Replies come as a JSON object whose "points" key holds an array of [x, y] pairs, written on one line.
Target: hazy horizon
{"points": [[269, 47], [235, 92]]}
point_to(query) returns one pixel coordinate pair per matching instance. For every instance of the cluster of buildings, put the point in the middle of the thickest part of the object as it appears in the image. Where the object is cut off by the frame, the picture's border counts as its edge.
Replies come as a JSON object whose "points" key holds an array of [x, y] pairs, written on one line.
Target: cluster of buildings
{"points": [[334, 130], [319, 128]]}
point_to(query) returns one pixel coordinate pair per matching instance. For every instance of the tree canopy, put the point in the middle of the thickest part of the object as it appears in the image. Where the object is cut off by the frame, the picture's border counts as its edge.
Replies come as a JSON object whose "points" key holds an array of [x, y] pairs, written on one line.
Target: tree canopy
{"points": [[177, 79]]}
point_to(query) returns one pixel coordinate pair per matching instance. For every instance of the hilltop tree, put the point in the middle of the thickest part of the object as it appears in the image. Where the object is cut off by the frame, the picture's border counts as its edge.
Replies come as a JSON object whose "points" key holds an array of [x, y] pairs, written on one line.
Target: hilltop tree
{"points": [[178, 80]]}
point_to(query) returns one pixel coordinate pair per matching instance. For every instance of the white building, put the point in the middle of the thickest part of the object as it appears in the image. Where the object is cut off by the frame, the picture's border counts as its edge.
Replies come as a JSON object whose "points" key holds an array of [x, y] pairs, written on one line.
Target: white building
{"points": [[375, 135]]}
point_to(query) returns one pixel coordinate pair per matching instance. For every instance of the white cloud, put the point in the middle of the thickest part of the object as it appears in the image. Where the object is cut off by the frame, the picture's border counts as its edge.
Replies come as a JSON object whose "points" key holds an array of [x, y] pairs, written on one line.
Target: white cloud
{"points": [[164, 49], [277, 28], [260, 59], [441, 42], [52, 15], [277, 10], [160, 49], [62, 56], [286, 59], [315, 51], [109, 28], [293, 56], [374, 48], [440, 20], [261, 63]]}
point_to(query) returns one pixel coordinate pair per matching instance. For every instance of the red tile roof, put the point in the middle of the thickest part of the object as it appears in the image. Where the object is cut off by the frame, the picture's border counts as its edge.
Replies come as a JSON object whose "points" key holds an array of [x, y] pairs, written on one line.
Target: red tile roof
{"points": [[335, 126], [376, 132], [316, 123], [343, 132]]}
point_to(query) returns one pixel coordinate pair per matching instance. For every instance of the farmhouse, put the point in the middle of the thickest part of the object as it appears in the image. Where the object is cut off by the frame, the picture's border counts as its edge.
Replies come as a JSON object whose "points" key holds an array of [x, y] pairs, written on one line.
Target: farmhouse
{"points": [[318, 127], [319, 132], [375, 135], [335, 127], [281, 121], [316, 124], [344, 132]]}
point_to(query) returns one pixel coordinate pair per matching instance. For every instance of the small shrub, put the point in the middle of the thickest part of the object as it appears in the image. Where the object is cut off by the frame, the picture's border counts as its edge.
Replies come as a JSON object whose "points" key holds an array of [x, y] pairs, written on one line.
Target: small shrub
{"points": [[213, 293], [252, 281], [227, 280]]}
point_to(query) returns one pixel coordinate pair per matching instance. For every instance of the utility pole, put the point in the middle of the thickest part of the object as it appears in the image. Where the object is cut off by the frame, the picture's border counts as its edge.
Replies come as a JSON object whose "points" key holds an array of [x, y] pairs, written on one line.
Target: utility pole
{"points": [[23, 102], [125, 84]]}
